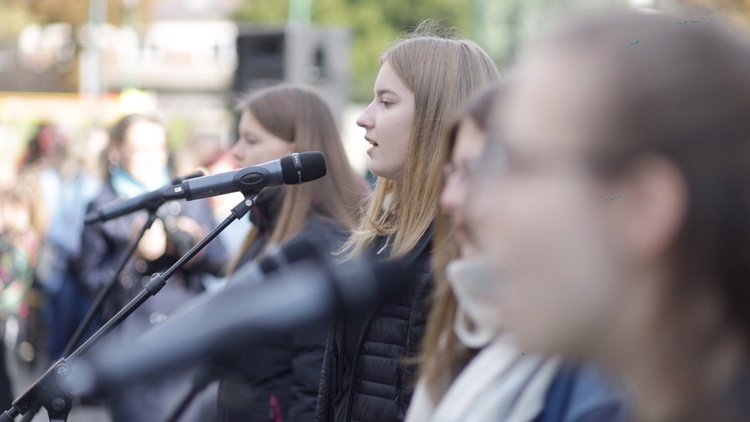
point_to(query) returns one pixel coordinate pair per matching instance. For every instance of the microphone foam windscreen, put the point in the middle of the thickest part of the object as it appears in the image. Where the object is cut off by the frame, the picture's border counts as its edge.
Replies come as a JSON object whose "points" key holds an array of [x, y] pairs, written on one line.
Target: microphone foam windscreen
{"points": [[311, 165], [297, 249], [375, 281]]}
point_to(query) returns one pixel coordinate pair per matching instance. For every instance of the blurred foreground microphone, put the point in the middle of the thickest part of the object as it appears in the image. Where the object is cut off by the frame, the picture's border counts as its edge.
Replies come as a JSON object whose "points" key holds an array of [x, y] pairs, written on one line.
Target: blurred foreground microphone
{"points": [[306, 293], [151, 199], [291, 170], [278, 258]]}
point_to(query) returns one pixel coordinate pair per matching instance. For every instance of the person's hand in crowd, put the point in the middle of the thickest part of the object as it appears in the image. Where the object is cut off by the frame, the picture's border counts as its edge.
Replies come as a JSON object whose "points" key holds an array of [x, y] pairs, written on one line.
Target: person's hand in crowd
{"points": [[184, 234], [153, 245]]}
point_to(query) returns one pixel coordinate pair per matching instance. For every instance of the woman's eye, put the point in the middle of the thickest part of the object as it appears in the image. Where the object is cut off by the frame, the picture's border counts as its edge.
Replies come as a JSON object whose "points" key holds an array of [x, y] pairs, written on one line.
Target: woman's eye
{"points": [[386, 103]]}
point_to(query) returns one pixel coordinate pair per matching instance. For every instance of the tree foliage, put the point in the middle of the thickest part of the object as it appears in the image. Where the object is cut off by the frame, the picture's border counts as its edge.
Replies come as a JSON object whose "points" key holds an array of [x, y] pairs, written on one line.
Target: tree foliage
{"points": [[13, 18], [75, 13]]}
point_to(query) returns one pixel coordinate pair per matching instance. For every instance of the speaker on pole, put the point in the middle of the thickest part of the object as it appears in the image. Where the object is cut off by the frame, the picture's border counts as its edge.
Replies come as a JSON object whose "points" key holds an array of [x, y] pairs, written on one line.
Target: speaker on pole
{"points": [[315, 56]]}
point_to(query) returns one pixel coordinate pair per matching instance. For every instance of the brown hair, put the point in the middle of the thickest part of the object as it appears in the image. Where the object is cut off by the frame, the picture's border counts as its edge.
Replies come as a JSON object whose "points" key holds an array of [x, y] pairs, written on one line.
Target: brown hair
{"points": [[300, 116], [119, 130], [442, 73], [442, 353]]}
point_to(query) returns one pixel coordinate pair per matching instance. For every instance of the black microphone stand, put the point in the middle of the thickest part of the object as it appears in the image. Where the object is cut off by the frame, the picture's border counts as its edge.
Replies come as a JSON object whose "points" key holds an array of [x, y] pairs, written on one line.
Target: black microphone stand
{"points": [[204, 375], [102, 296], [47, 390], [103, 293], [98, 303]]}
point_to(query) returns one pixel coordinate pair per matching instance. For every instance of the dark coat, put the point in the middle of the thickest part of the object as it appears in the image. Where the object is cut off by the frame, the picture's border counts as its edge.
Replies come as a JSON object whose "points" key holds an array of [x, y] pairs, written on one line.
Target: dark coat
{"points": [[102, 247], [382, 374], [278, 376]]}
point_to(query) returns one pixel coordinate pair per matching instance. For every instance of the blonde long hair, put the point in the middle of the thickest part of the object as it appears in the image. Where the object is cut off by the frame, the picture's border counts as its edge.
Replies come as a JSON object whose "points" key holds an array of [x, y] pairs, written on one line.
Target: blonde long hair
{"points": [[443, 356], [299, 115], [442, 73]]}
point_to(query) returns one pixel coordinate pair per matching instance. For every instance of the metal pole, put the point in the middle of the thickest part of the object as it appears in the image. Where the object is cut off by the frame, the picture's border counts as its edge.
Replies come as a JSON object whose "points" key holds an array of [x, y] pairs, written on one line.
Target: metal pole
{"points": [[300, 12], [90, 80]]}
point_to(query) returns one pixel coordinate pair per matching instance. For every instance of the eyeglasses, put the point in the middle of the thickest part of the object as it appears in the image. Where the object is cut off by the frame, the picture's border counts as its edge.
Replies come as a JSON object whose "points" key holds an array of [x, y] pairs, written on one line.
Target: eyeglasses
{"points": [[498, 161], [460, 173]]}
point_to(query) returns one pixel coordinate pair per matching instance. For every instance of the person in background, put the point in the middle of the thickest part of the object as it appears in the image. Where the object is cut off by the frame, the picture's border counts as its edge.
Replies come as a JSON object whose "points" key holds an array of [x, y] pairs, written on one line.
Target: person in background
{"points": [[613, 204], [27, 219], [138, 156], [18, 244], [277, 378], [471, 368], [39, 172], [368, 372], [67, 187]]}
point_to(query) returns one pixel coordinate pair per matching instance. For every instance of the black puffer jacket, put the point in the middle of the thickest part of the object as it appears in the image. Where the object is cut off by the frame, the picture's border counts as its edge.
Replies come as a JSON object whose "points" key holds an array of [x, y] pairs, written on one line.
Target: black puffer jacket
{"points": [[377, 384], [277, 378]]}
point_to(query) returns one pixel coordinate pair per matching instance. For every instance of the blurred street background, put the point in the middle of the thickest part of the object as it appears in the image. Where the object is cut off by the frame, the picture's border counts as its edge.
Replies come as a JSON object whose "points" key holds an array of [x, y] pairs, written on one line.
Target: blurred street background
{"points": [[70, 68]]}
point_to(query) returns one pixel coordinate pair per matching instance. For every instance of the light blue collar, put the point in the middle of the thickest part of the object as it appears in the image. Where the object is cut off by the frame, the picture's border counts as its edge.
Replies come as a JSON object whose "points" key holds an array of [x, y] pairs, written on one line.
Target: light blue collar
{"points": [[126, 187]]}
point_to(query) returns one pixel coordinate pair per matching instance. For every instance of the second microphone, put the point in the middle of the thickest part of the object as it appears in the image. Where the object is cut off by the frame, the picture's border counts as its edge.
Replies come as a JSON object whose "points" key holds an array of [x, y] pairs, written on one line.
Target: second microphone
{"points": [[291, 170]]}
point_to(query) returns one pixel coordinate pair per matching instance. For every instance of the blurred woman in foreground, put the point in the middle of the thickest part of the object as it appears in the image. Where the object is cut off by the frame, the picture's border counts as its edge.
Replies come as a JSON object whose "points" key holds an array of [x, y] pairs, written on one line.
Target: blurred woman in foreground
{"points": [[471, 368], [620, 229]]}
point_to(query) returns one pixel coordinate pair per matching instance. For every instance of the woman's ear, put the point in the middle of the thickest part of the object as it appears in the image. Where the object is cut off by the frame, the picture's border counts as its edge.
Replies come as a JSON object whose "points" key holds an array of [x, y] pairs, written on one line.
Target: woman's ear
{"points": [[656, 206]]}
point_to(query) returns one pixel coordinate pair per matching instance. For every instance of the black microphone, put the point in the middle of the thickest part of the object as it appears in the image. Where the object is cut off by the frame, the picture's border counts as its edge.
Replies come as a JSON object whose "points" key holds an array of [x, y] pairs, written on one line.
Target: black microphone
{"points": [[150, 200], [291, 170], [307, 293]]}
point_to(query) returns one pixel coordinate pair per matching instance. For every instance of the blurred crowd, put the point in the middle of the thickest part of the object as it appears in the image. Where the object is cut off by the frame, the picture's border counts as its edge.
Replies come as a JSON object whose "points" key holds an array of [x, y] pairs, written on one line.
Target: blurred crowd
{"points": [[41, 220], [45, 296], [574, 241]]}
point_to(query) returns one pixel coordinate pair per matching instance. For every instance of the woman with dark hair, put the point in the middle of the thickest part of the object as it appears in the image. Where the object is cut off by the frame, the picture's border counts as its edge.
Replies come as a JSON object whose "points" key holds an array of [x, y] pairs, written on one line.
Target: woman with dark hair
{"points": [[277, 378], [138, 157], [614, 206]]}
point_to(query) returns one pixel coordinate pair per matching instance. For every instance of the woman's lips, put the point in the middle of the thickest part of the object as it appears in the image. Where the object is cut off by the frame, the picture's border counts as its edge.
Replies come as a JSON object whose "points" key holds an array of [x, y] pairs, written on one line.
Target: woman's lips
{"points": [[373, 144]]}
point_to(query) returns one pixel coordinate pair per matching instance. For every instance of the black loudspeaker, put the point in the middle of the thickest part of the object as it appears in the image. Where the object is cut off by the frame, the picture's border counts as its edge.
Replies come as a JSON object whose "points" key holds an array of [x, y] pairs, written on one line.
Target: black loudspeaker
{"points": [[315, 56]]}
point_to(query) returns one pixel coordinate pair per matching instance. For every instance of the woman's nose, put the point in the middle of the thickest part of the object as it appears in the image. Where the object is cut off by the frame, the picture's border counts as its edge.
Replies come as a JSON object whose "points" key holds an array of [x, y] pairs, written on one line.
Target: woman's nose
{"points": [[236, 150], [453, 195], [365, 119]]}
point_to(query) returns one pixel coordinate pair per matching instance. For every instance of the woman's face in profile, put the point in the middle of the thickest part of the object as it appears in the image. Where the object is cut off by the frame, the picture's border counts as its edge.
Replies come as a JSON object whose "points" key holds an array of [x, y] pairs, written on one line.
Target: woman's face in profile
{"points": [[144, 151], [550, 227], [388, 121], [257, 145]]}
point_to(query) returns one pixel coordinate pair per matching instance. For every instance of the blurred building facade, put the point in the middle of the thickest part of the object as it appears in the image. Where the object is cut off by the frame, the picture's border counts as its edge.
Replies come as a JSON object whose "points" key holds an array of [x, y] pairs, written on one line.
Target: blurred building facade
{"points": [[181, 55]]}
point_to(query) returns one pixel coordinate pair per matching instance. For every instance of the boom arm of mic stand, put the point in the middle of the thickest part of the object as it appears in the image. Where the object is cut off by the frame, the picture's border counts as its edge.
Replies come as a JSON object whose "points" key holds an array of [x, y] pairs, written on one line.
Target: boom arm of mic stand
{"points": [[110, 284], [47, 389]]}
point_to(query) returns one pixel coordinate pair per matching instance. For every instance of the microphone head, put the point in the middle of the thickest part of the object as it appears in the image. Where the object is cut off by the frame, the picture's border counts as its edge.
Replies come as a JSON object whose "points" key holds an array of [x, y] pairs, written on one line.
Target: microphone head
{"points": [[303, 167]]}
